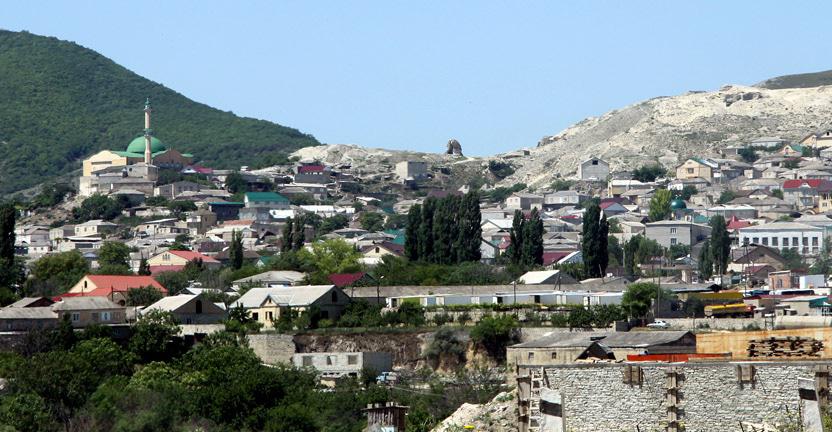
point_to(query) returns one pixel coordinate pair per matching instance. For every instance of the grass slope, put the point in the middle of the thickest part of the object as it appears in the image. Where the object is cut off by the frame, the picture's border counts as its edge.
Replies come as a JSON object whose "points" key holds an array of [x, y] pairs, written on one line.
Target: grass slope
{"points": [[814, 79], [60, 102]]}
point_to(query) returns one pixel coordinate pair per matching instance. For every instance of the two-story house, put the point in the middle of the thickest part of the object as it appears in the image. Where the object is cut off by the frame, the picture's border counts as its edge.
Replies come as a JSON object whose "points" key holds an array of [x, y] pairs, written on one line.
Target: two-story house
{"points": [[676, 232]]}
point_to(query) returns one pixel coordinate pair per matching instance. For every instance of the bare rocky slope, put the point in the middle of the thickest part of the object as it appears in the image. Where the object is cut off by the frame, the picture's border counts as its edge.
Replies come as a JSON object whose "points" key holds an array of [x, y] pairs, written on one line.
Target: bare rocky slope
{"points": [[670, 129]]}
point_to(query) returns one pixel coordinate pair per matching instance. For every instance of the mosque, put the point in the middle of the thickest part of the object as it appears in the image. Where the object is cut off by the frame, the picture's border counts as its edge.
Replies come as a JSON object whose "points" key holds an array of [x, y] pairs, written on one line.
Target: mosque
{"points": [[134, 169]]}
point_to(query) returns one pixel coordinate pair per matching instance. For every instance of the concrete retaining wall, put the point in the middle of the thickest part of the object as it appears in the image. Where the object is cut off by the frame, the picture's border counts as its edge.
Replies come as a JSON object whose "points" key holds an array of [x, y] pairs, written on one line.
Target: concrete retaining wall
{"points": [[717, 323], [595, 397]]}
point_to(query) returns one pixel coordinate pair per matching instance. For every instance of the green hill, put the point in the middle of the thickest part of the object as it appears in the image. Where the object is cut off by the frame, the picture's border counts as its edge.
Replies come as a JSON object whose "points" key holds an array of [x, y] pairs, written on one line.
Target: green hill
{"points": [[813, 79], [60, 102]]}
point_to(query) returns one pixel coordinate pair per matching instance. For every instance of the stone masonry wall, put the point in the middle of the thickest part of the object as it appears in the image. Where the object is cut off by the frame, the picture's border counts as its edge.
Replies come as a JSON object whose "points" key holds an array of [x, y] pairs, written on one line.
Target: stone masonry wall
{"points": [[595, 397], [272, 348]]}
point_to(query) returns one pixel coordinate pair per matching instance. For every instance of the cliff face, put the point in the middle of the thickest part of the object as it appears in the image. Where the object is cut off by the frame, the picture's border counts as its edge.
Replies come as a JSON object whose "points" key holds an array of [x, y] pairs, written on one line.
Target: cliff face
{"points": [[670, 129]]}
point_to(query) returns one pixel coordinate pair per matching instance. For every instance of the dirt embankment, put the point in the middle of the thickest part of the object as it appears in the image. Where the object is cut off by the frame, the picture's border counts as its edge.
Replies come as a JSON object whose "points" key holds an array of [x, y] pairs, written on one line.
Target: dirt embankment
{"points": [[406, 348]]}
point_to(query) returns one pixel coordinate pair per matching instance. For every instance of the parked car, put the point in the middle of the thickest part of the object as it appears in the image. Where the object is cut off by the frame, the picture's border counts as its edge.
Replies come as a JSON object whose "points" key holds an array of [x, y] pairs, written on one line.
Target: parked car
{"points": [[659, 324]]}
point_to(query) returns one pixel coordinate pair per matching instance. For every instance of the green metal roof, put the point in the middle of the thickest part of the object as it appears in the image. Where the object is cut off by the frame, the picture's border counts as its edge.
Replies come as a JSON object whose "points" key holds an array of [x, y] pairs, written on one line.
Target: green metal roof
{"points": [[137, 145], [399, 233], [226, 203], [266, 196]]}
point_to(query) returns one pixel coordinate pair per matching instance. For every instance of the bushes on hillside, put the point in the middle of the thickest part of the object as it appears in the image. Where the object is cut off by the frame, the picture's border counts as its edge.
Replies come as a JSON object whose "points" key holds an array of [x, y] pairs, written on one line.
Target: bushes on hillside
{"points": [[495, 334]]}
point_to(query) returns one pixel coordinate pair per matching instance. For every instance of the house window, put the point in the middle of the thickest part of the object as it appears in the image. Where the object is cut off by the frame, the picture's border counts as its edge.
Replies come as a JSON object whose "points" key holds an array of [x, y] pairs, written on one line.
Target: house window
{"points": [[673, 241], [95, 316], [537, 299], [270, 316], [106, 316], [334, 296], [531, 356], [595, 162], [554, 355], [774, 241], [307, 360], [330, 360], [795, 242], [765, 241], [198, 306], [75, 317], [785, 242], [814, 241], [673, 230], [755, 240], [690, 170], [805, 241], [352, 359], [255, 316]]}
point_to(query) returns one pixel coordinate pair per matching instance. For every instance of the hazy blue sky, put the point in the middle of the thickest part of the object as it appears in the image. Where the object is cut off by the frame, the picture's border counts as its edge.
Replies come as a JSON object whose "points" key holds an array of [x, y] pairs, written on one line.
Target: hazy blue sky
{"points": [[410, 75]]}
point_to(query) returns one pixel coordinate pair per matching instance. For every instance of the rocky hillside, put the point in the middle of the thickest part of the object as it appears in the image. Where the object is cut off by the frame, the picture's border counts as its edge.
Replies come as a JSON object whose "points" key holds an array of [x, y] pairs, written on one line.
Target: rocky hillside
{"points": [[670, 129]]}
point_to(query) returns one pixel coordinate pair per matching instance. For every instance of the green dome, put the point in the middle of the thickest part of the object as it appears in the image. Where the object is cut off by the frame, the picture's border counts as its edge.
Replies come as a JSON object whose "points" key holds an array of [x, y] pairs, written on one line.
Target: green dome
{"points": [[137, 145], [678, 204]]}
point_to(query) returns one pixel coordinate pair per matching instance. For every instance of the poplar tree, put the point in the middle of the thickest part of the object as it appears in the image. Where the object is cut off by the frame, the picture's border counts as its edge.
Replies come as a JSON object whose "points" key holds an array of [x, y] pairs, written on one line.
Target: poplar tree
{"points": [[720, 246], [533, 241], [426, 252], [288, 229], [299, 233], [515, 248], [411, 234], [235, 251], [591, 241], [8, 270], [470, 228], [706, 264], [603, 243]]}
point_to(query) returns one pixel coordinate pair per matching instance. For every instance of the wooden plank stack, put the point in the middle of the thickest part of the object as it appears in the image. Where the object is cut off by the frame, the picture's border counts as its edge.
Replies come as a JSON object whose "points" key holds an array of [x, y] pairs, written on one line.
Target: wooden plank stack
{"points": [[785, 347]]}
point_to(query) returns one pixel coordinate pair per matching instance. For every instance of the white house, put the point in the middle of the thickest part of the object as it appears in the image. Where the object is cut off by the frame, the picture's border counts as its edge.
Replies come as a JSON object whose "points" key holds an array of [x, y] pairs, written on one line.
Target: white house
{"points": [[805, 239]]}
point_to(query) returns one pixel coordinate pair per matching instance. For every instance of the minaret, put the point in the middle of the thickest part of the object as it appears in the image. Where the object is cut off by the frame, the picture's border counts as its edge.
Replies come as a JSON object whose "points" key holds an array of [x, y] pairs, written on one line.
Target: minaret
{"points": [[148, 155]]}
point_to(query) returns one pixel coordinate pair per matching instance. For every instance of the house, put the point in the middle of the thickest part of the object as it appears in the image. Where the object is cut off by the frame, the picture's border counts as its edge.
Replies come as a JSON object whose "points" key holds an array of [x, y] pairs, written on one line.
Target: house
{"points": [[27, 302], [189, 309], [524, 201], [822, 140], [807, 305], [334, 365], [224, 257], [24, 319], [373, 254], [173, 190], [677, 232], [560, 199], [270, 200], [815, 194], [113, 287], [344, 280], [267, 304], [225, 210], [728, 211], [697, 167], [411, 170], [768, 143], [805, 239], [546, 277], [819, 220], [175, 260], [792, 150], [85, 311], [744, 257], [593, 169], [96, 227], [315, 173], [271, 279], [611, 208], [556, 258]]}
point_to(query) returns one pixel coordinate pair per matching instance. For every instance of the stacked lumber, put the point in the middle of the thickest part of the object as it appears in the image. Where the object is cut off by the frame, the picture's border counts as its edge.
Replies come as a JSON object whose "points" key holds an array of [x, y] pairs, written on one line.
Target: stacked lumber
{"points": [[785, 347]]}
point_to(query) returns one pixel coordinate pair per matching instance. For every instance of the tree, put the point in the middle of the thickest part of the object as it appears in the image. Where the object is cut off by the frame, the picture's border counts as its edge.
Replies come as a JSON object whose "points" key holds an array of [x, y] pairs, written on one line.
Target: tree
{"points": [[516, 237], [333, 223], [173, 281], [793, 259], [235, 251], [179, 207], [706, 263], [532, 244], [660, 205], [288, 231], [726, 196], [426, 252], [648, 173], [235, 183], [9, 271], [594, 241], [411, 233], [57, 273], [687, 192], [720, 244], [152, 336], [638, 297], [777, 193], [470, 229], [328, 257], [99, 207], [299, 233], [143, 296], [144, 268], [495, 334], [748, 154], [678, 251], [114, 258], [371, 221]]}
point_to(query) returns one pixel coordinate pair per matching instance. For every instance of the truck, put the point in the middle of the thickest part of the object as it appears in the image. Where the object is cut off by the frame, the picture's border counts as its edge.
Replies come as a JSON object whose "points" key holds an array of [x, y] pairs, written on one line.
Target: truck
{"points": [[733, 310]]}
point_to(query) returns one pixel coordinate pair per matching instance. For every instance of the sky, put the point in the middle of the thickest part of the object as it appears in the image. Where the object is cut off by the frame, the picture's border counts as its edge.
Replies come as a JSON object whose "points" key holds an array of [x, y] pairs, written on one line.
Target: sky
{"points": [[495, 75]]}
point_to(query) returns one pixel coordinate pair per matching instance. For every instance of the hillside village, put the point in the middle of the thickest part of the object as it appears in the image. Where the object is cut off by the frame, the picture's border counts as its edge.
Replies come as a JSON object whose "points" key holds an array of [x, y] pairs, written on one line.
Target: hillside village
{"points": [[706, 263]]}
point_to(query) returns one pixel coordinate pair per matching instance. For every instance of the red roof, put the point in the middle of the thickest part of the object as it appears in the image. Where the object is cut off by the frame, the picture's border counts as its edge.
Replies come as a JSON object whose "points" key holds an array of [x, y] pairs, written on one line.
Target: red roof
{"points": [[154, 270], [345, 279], [310, 168], [811, 183], [123, 283], [239, 222], [735, 223], [550, 258], [192, 256], [202, 170]]}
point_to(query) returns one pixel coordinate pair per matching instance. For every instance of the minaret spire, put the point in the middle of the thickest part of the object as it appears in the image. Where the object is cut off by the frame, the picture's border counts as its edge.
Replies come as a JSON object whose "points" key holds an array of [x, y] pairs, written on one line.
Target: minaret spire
{"points": [[148, 155]]}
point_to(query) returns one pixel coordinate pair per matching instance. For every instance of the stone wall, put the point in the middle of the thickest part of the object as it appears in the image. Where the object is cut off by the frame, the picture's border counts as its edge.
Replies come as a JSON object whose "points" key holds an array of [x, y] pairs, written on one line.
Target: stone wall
{"points": [[710, 398], [717, 323], [272, 348]]}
